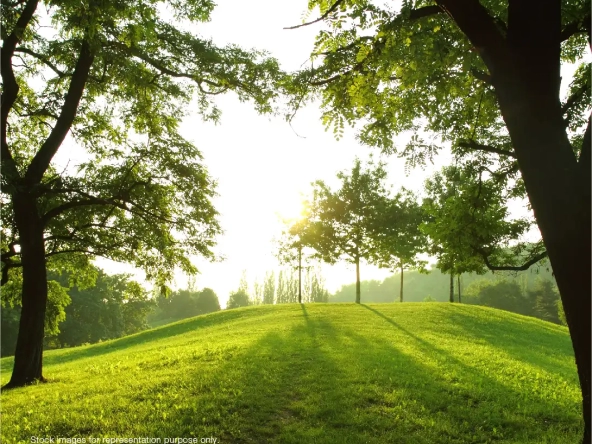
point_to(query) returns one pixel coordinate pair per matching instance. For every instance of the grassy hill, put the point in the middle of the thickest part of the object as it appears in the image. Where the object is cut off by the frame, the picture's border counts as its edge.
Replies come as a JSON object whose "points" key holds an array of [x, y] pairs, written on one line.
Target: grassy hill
{"points": [[339, 373]]}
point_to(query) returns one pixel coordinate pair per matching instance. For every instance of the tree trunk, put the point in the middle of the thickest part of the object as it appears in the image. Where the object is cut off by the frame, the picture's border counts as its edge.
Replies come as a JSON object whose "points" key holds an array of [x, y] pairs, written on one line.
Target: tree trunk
{"points": [[558, 189], [451, 287], [561, 205], [29, 346], [401, 289], [458, 285], [300, 274], [358, 280]]}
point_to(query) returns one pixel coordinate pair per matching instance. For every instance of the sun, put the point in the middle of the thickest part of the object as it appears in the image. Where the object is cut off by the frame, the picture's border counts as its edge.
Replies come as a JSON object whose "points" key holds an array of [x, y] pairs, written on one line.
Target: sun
{"points": [[291, 209]]}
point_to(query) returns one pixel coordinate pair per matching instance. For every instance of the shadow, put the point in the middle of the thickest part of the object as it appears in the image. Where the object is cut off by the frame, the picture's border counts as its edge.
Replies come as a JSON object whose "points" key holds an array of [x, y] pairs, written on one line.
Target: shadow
{"points": [[549, 346]]}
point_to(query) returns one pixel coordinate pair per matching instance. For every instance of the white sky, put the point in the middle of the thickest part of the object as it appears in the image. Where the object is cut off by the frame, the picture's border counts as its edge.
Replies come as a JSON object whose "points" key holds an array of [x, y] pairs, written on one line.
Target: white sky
{"points": [[262, 165]]}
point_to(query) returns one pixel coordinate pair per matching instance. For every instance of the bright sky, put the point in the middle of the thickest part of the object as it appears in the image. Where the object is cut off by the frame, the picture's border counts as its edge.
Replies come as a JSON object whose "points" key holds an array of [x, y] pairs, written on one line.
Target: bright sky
{"points": [[262, 165]]}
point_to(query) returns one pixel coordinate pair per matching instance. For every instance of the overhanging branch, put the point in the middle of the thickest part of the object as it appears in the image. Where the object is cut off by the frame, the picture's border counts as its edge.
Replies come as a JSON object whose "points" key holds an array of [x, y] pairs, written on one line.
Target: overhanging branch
{"points": [[42, 59], [426, 11], [522, 267], [490, 149], [333, 7], [576, 27]]}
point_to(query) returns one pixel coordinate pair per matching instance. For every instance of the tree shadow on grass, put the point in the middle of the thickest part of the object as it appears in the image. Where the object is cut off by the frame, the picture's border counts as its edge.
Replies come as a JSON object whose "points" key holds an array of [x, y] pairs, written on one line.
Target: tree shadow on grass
{"points": [[324, 383], [548, 347], [467, 384], [310, 380]]}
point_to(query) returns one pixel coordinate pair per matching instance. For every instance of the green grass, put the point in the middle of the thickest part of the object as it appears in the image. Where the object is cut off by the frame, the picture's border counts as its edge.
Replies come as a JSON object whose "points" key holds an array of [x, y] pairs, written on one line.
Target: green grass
{"points": [[339, 373]]}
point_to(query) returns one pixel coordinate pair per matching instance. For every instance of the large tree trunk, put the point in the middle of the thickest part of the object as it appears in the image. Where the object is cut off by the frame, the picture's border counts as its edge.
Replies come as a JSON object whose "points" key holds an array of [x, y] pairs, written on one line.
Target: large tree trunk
{"points": [[358, 280], [558, 189], [401, 289], [560, 198], [29, 346], [458, 285]]}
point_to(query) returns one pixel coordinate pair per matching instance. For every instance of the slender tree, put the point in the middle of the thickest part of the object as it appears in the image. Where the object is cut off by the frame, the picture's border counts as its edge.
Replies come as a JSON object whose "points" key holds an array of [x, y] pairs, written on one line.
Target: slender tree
{"points": [[400, 239], [269, 288], [342, 224]]}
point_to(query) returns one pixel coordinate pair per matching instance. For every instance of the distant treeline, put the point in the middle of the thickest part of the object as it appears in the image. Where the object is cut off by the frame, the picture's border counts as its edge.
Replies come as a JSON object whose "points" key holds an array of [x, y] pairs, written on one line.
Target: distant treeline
{"points": [[280, 290], [532, 292], [115, 306]]}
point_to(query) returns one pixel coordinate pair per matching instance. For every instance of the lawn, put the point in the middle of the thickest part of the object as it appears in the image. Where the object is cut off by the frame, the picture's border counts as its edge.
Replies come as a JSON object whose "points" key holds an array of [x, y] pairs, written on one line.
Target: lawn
{"points": [[318, 373]]}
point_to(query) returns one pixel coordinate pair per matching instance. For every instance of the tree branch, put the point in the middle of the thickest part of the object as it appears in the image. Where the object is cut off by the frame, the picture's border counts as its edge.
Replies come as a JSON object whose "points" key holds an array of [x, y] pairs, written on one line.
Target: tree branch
{"points": [[576, 27], [8, 264], [41, 161], [480, 28], [10, 87], [42, 59], [321, 18], [571, 100], [522, 267], [426, 11], [487, 148]]}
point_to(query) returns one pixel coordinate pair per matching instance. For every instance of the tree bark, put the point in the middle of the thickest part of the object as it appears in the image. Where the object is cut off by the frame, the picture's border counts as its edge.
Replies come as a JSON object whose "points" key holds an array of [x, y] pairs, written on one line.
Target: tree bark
{"points": [[29, 347], [451, 287], [458, 285], [358, 280], [401, 289], [561, 205]]}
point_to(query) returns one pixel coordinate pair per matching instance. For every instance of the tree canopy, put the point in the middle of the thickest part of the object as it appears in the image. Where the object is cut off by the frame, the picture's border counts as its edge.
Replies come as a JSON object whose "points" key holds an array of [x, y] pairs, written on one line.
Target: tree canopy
{"points": [[114, 81]]}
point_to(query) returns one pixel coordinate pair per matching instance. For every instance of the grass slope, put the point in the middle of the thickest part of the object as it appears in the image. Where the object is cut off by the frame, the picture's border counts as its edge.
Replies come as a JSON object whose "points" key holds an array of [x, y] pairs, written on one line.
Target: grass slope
{"points": [[340, 373]]}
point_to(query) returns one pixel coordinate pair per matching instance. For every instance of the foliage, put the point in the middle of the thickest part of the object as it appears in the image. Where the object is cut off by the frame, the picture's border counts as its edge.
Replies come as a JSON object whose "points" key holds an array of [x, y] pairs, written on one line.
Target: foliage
{"points": [[118, 77], [57, 300], [269, 288], [467, 222], [239, 298], [400, 239], [186, 303], [545, 298], [469, 374], [113, 307], [412, 68]]}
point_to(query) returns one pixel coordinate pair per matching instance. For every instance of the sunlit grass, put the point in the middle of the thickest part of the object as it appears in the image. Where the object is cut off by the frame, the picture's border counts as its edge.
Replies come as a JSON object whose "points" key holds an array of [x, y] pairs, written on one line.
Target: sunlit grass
{"points": [[339, 373]]}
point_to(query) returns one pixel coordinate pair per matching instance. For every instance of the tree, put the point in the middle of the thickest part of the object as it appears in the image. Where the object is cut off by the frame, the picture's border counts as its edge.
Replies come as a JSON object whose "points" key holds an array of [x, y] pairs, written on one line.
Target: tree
{"points": [[114, 307], [468, 222], [207, 301], [282, 288], [269, 288], [316, 286], [399, 235], [486, 77], [116, 77], [257, 292], [342, 224], [545, 299], [238, 299]]}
